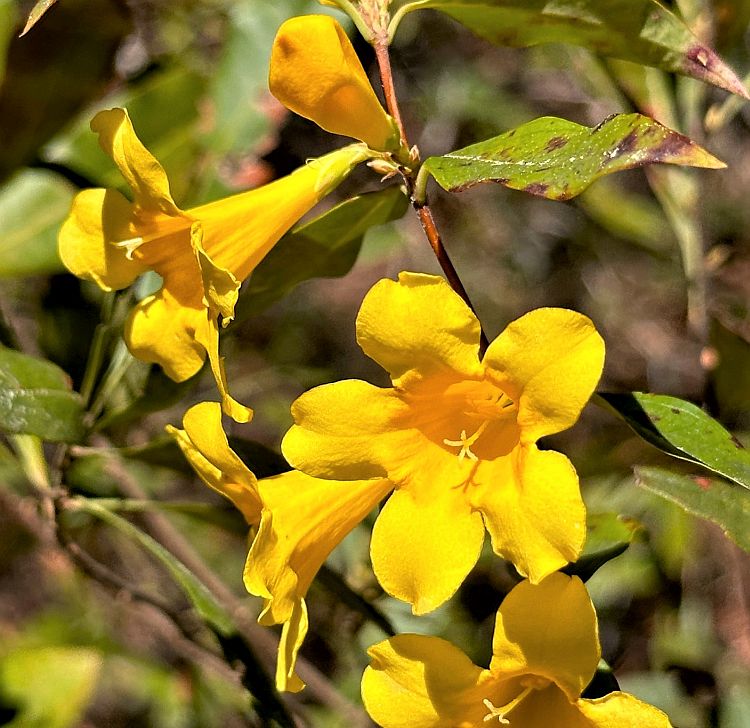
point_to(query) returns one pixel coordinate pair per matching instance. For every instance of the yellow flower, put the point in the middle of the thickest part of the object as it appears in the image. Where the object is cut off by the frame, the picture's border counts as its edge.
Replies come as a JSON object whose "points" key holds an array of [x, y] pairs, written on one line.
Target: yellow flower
{"points": [[545, 651], [300, 524], [456, 436], [201, 254], [316, 73]]}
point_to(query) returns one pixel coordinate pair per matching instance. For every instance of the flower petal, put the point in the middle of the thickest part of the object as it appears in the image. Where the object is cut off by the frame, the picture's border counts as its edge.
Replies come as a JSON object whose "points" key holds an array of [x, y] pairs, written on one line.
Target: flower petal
{"points": [[423, 547], [293, 634], [316, 73], [206, 448], [549, 630], [347, 430], [161, 329], [238, 231], [549, 361], [621, 710], [303, 520], [533, 510], [207, 334], [414, 681], [418, 327], [144, 174], [97, 218]]}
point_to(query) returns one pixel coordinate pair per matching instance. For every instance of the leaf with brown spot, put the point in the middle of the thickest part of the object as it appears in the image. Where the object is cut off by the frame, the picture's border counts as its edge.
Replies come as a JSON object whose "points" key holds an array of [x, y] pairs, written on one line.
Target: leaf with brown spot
{"points": [[642, 31], [714, 499], [684, 431], [36, 14], [558, 159]]}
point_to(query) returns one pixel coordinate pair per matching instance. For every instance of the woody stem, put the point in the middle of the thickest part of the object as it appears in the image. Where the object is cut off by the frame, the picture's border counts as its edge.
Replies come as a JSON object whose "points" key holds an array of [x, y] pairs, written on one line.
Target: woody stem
{"points": [[419, 203]]}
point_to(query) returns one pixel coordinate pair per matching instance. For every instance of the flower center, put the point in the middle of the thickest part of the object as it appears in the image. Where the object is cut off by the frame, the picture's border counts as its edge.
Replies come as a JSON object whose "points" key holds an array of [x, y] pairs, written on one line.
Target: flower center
{"points": [[529, 685], [491, 409]]}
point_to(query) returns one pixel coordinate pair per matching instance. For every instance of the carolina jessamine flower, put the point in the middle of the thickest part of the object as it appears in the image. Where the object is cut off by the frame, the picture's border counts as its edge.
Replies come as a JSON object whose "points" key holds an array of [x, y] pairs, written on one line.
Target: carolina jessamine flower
{"points": [[456, 435], [316, 73], [299, 525], [544, 653], [202, 254]]}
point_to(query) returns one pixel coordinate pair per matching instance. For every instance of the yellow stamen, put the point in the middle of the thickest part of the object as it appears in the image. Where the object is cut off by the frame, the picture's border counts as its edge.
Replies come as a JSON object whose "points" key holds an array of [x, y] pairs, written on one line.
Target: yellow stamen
{"points": [[503, 710], [465, 442]]}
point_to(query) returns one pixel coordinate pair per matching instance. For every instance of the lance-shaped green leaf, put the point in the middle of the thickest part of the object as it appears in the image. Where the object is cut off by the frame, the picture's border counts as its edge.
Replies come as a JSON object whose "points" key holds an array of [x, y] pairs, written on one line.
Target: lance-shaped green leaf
{"points": [[200, 597], [326, 247], [36, 399], [711, 498], [559, 159], [643, 31], [683, 430]]}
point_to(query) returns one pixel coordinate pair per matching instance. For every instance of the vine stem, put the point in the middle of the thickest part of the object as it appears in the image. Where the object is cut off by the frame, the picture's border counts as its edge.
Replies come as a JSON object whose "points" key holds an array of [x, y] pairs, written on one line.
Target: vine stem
{"points": [[419, 202]]}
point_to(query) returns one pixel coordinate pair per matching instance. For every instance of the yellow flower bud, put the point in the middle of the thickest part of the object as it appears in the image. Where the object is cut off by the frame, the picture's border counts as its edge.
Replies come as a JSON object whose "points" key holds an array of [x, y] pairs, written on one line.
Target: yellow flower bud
{"points": [[316, 73]]}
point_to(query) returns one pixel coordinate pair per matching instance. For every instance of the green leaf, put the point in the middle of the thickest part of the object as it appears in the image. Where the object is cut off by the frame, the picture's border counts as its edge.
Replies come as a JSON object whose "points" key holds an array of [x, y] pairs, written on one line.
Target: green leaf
{"points": [[643, 31], [36, 399], [49, 686], [608, 535], [198, 594], [711, 498], [558, 159], [33, 205], [326, 247], [36, 13], [684, 431]]}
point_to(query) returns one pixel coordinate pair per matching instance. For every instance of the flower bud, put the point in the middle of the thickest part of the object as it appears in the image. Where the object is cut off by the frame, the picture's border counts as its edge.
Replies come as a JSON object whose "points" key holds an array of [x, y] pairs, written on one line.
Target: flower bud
{"points": [[316, 73]]}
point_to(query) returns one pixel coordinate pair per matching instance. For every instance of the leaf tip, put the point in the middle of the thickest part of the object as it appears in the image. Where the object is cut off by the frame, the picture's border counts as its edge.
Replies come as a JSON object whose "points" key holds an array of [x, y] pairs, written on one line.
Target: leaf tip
{"points": [[702, 63]]}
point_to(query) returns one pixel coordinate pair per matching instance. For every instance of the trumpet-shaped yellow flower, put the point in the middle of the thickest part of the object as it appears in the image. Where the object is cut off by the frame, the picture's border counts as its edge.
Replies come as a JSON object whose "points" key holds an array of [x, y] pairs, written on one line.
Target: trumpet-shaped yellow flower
{"points": [[456, 436], [545, 651], [316, 73], [202, 254], [301, 520]]}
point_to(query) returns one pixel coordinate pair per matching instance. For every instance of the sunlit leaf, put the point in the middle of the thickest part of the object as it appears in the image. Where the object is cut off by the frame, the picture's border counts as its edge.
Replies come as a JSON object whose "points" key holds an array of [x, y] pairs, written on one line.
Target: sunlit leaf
{"points": [[726, 504], [200, 597], [607, 536], [685, 431], [36, 399], [558, 159], [643, 31], [48, 686], [36, 14], [326, 247], [33, 205]]}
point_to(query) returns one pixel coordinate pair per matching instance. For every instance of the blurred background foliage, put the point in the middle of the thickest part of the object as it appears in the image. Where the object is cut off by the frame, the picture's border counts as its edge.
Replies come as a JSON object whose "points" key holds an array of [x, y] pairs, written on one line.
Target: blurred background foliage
{"points": [[674, 607]]}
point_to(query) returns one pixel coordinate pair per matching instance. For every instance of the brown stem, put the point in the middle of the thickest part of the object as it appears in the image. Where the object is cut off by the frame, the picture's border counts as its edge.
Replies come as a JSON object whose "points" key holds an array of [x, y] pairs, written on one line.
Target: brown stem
{"points": [[433, 236], [421, 208], [386, 79]]}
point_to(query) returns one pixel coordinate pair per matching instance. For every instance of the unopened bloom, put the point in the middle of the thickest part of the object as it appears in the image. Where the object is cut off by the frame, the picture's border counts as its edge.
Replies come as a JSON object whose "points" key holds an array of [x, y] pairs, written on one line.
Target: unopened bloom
{"points": [[316, 73], [456, 436], [544, 653], [202, 254], [298, 520]]}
